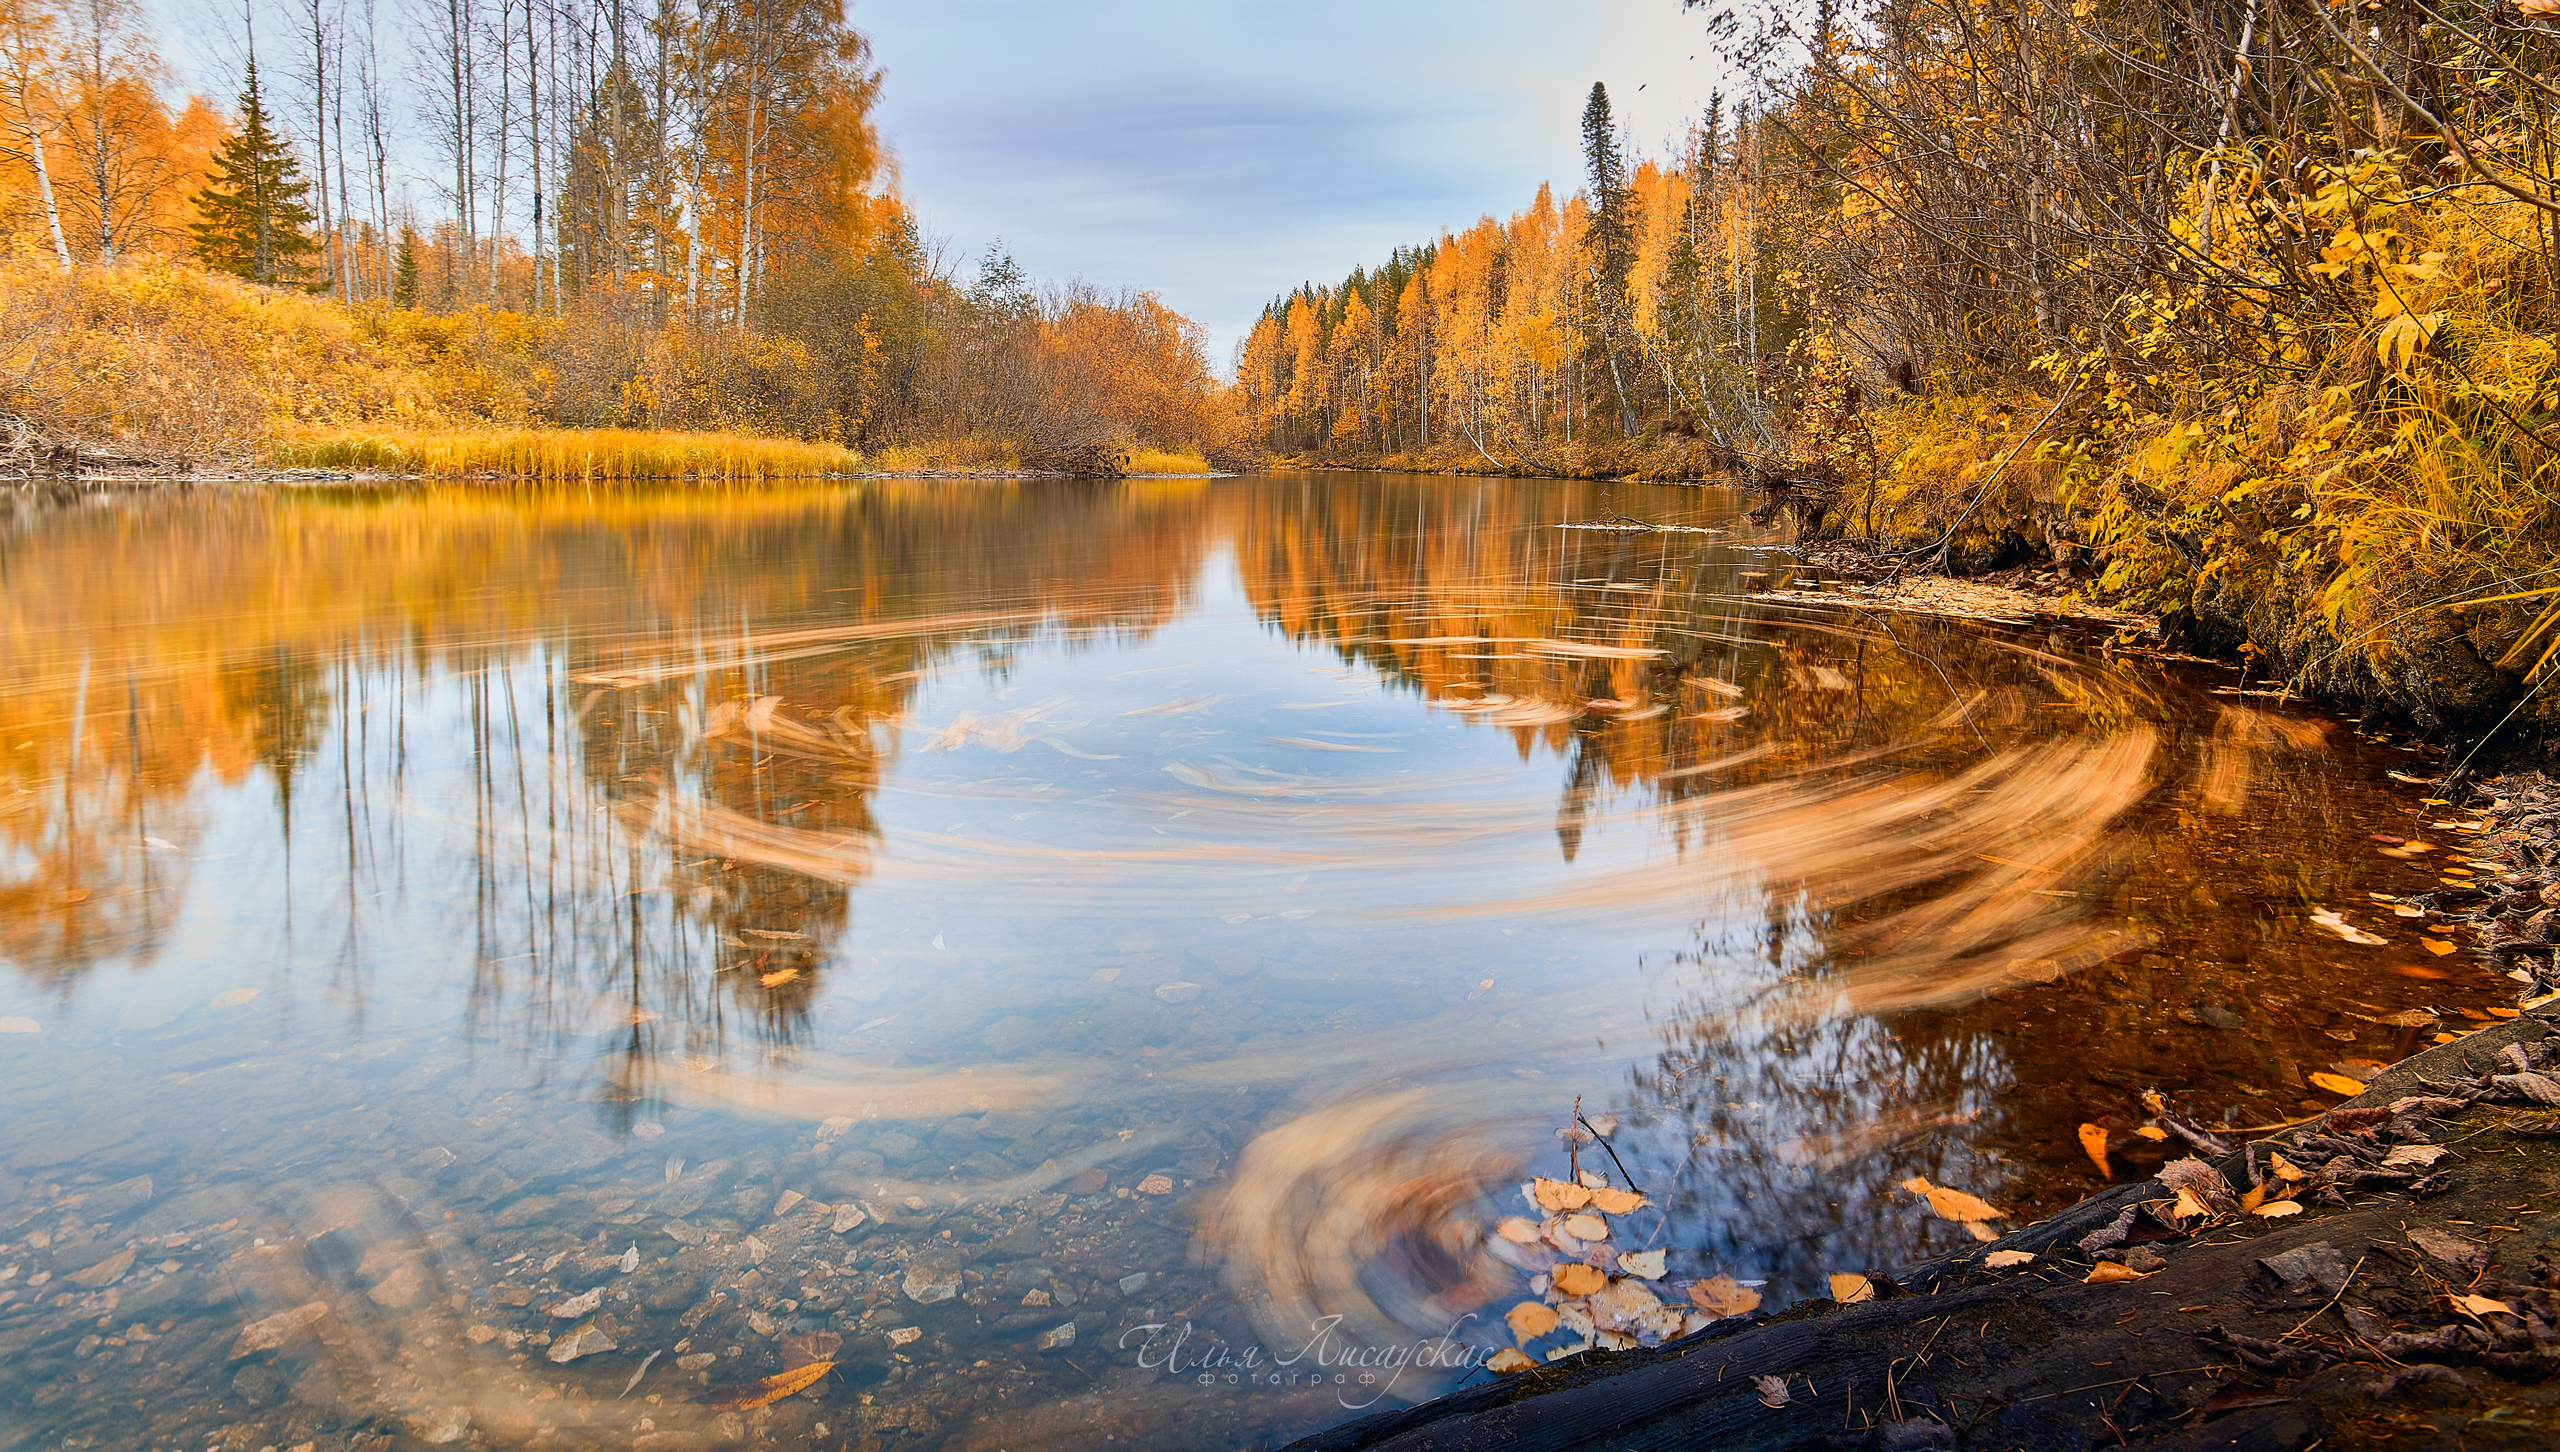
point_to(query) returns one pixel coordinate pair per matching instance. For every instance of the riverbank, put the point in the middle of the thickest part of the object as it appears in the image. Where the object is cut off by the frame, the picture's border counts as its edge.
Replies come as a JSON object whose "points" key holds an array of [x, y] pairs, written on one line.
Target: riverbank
{"points": [[2382, 1276]]}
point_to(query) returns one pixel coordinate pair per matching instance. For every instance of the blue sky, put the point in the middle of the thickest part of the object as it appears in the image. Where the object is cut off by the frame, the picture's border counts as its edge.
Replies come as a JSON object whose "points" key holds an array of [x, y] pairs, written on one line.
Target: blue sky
{"points": [[1217, 153], [1222, 153]]}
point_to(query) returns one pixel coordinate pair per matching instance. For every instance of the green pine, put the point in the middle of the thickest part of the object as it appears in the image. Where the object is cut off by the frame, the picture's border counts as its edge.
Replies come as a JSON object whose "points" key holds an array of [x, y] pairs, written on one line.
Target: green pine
{"points": [[254, 215]]}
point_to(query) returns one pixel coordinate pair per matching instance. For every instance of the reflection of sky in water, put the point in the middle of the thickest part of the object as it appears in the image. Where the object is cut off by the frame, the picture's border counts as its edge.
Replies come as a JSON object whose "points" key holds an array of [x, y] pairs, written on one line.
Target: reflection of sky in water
{"points": [[1316, 847]]}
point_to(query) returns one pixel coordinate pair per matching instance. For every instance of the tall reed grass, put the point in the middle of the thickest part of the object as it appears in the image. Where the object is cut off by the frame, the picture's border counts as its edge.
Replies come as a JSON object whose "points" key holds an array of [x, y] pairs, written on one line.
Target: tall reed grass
{"points": [[593, 456]]}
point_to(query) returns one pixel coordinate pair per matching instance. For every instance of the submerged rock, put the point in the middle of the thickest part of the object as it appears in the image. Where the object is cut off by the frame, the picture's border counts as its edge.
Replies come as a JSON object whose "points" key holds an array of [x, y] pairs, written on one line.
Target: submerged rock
{"points": [[583, 1340]]}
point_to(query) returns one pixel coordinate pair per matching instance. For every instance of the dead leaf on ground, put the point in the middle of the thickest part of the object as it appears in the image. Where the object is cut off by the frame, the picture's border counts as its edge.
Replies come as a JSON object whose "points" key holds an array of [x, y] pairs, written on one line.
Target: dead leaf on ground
{"points": [[2437, 946], [2093, 1139], [2481, 1305], [1849, 1288], [2278, 1210], [2108, 1273], [2334, 1083], [2284, 1169], [1530, 1320], [2151, 1132], [2007, 1259], [1772, 1390], [771, 1389], [1724, 1296]]}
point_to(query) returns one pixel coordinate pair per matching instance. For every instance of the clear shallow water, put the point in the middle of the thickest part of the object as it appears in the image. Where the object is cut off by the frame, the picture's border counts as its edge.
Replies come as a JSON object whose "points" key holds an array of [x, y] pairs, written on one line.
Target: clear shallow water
{"points": [[1147, 905]]}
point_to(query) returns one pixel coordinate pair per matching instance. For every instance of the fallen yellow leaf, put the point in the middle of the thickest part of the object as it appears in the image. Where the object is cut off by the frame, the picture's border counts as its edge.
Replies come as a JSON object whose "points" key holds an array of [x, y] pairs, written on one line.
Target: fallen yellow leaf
{"points": [[2335, 1083], [1848, 1288], [1518, 1229], [1586, 1227], [1559, 1195], [771, 1389], [1723, 1296], [2094, 1140], [1579, 1280], [2284, 1169], [1508, 1359], [2503, 1012], [2255, 1196], [2151, 1132], [1616, 1202], [776, 979], [2108, 1273], [2155, 1101], [2278, 1210], [2437, 946], [2006, 1259], [1953, 1204], [1530, 1320], [2481, 1305]]}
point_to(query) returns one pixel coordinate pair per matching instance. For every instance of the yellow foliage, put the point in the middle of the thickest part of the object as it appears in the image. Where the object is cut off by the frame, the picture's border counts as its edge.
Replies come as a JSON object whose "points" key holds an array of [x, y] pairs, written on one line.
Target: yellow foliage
{"points": [[596, 456]]}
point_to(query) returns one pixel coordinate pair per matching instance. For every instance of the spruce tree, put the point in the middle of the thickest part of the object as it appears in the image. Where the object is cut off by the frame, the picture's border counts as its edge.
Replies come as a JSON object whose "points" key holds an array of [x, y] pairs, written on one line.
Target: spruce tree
{"points": [[253, 215], [1612, 238], [404, 270]]}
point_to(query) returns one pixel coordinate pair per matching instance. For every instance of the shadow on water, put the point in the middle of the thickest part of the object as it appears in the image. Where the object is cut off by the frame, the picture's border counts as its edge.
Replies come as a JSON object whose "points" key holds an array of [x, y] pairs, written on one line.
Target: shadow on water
{"points": [[1014, 941]]}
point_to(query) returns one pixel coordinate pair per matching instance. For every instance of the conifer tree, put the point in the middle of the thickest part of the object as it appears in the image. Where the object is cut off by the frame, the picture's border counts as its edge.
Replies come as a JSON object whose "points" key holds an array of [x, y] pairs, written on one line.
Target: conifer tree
{"points": [[404, 270], [1612, 237], [254, 212]]}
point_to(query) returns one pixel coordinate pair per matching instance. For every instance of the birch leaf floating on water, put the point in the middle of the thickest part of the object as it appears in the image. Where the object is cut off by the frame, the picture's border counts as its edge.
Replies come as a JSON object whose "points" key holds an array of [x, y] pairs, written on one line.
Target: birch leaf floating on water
{"points": [[1953, 1204], [2093, 1140], [1586, 1227], [1508, 1359], [1557, 1196], [1518, 1229], [1645, 1263], [1724, 1296], [1616, 1202], [1530, 1320], [1579, 1280], [765, 1393], [2334, 1083], [2437, 946], [2328, 918]]}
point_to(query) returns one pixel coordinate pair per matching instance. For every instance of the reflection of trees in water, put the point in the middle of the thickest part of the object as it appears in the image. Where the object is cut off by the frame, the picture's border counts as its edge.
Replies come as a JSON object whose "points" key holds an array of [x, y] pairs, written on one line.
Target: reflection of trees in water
{"points": [[359, 647], [1775, 1134]]}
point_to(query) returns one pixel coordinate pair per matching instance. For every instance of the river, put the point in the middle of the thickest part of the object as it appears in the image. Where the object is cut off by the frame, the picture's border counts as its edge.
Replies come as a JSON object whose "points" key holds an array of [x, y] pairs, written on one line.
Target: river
{"points": [[1093, 963]]}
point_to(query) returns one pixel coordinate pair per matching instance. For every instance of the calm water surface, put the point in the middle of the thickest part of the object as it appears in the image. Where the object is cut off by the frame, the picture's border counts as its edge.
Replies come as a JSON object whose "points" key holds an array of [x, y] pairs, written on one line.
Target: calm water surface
{"points": [[1092, 961]]}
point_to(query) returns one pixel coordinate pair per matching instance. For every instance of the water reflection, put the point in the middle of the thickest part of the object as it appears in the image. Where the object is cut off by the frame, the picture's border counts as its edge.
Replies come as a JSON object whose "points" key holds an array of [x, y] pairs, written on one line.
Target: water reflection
{"points": [[985, 910]]}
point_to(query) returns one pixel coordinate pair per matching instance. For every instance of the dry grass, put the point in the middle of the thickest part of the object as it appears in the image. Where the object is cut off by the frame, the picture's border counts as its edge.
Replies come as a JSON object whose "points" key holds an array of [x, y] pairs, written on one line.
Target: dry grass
{"points": [[596, 456], [1168, 461]]}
